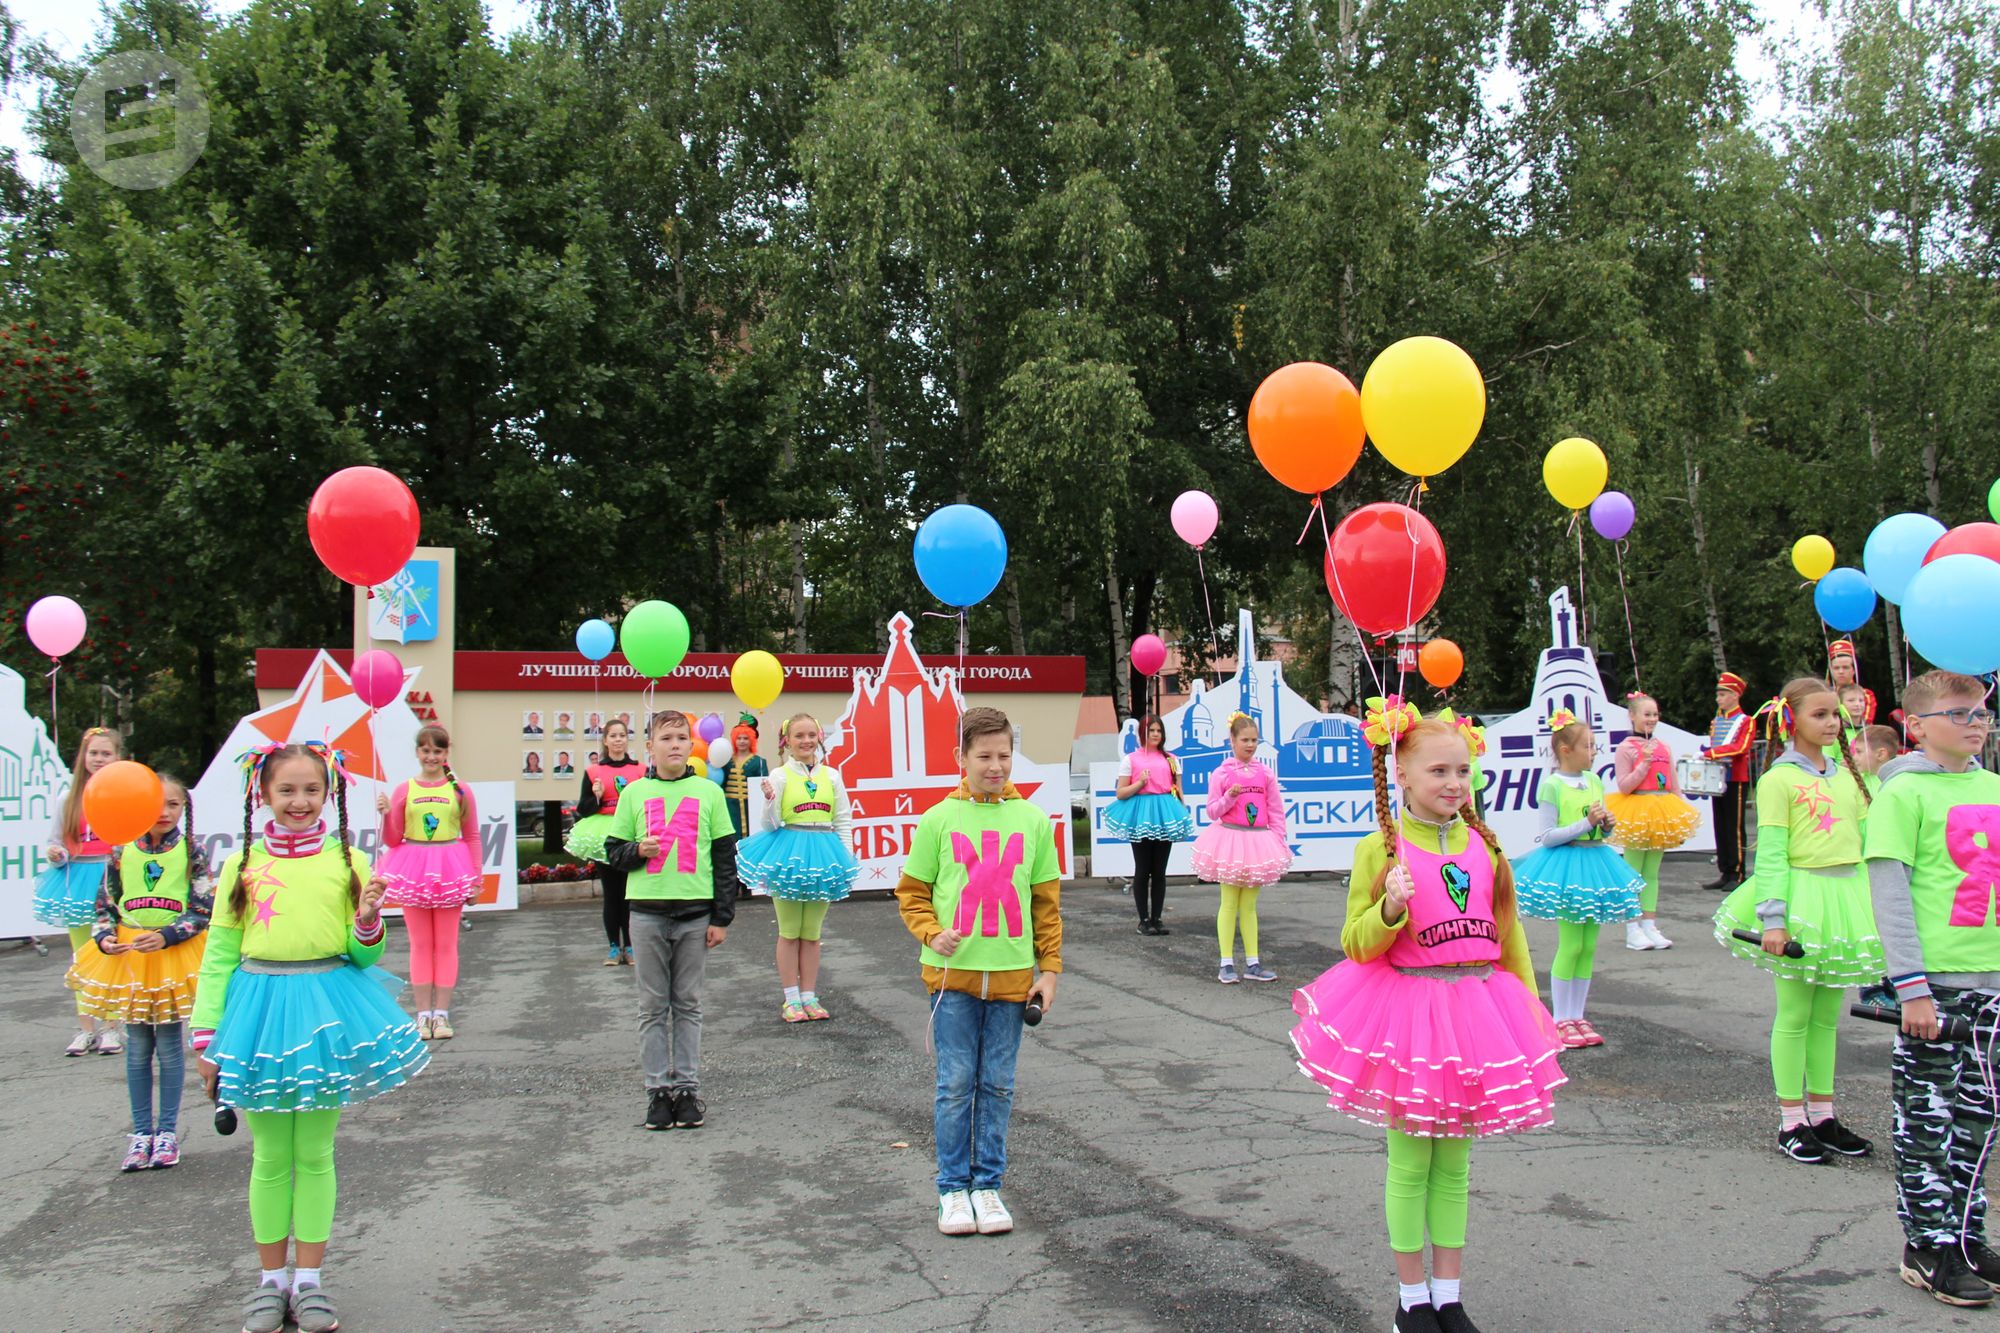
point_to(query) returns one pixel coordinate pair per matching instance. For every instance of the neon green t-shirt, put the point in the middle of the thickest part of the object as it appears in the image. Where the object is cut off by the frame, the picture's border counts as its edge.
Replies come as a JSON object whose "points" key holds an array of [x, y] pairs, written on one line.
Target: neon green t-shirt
{"points": [[1946, 828], [1823, 816], [981, 858], [686, 815]]}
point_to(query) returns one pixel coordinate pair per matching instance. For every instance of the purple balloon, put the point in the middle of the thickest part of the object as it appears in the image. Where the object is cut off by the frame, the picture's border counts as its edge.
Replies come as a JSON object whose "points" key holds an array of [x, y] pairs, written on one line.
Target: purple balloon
{"points": [[1611, 514], [712, 727]]}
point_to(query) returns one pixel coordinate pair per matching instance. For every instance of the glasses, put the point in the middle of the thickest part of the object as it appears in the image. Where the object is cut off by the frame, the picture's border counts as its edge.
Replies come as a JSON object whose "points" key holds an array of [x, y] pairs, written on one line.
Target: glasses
{"points": [[1964, 717]]}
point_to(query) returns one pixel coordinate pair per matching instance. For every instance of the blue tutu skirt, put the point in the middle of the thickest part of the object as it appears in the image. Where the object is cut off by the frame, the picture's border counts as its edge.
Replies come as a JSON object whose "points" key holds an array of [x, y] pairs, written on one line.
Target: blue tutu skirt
{"points": [[66, 895], [312, 1041], [1578, 881], [801, 865], [1150, 817]]}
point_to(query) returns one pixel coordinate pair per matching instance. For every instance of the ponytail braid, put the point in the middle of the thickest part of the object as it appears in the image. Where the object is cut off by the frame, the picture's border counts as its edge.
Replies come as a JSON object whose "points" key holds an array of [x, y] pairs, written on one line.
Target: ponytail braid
{"points": [[1503, 873], [1385, 822], [239, 892], [1847, 762], [340, 805]]}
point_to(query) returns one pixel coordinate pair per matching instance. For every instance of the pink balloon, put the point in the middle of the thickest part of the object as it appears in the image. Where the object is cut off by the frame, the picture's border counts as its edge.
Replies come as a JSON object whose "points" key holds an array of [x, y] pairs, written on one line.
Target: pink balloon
{"points": [[1149, 654], [377, 677], [55, 625], [1194, 518]]}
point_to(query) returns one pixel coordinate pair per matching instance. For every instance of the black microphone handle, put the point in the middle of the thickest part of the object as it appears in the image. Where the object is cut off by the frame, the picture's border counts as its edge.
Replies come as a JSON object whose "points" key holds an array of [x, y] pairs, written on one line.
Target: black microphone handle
{"points": [[1793, 949], [1950, 1027], [1032, 1015]]}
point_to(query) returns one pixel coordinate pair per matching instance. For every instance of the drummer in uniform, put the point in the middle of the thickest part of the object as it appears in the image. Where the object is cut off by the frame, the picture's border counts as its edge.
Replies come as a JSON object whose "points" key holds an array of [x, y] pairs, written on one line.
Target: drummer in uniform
{"points": [[1841, 670], [1730, 736]]}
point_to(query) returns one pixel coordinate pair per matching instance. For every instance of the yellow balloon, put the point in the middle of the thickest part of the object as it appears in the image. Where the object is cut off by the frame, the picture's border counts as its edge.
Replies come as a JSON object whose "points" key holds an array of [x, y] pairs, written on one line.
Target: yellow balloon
{"points": [[1813, 557], [757, 678], [1575, 472], [1423, 401]]}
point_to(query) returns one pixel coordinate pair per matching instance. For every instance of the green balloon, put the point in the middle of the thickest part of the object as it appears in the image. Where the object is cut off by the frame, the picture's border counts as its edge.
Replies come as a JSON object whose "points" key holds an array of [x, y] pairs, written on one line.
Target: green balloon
{"points": [[654, 637], [1993, 502]]}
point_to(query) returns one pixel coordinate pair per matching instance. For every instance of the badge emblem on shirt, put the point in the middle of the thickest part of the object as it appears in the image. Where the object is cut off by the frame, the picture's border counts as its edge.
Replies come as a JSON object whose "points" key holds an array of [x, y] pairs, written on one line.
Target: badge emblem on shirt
{"points": [[1250, 810], [1457, 884], [430, 823], [152, 873]]}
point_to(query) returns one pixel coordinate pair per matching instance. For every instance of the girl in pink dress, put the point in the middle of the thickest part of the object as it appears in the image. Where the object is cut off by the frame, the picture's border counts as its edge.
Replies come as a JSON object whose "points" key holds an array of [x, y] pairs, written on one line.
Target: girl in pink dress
{"points": [[1431, 1028], [1243, 848]]}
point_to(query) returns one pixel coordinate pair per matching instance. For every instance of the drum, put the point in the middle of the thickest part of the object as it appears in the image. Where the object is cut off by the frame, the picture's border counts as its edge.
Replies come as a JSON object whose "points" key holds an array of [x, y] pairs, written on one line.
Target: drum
{"points": [[1702, 777]]}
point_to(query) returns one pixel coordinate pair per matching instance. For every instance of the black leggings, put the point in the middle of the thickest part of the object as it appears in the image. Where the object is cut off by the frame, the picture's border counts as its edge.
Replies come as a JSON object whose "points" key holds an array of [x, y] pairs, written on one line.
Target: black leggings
{"points": [[617, 916], [1149, 876]]}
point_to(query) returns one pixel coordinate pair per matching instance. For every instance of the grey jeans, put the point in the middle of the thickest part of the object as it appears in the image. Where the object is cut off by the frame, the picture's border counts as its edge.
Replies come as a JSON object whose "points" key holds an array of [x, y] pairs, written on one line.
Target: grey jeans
{"points": [[671, 958]]}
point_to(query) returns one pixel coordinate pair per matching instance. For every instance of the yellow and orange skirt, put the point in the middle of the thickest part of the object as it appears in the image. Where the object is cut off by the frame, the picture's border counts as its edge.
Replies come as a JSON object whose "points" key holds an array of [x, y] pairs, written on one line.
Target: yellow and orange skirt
{"points": [[133, 987]]}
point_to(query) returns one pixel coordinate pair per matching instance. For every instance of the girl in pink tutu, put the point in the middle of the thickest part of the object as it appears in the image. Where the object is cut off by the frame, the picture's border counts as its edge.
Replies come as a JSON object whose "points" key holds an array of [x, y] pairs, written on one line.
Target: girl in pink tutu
{"points": [[1432, 1027], [431, 829], [1243, 848]]}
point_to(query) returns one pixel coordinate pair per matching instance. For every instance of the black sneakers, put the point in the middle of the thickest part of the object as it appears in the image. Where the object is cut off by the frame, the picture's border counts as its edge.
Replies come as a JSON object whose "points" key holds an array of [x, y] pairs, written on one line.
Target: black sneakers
{"points": [[1801, 1145], [1422, 1319], [1836, 1137], [660, 1109], [1985, 1264], [1944, 1274], [1452, 1318], [689, 1112]]}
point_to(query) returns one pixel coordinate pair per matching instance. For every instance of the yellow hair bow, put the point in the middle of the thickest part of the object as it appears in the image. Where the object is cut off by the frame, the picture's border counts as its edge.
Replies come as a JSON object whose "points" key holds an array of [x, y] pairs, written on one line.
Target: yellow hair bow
{"points": [[1387, 719], [1561, 718], [1475, 735]]}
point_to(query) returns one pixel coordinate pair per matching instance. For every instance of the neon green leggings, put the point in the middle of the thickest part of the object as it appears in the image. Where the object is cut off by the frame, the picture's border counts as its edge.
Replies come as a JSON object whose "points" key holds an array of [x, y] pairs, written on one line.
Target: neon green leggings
{"points": [[78, 937], [800, 921], [1576, 950], [1646, 860], [283, 1143], [1802, 1038], [1427, 1184], [1239, 907]]}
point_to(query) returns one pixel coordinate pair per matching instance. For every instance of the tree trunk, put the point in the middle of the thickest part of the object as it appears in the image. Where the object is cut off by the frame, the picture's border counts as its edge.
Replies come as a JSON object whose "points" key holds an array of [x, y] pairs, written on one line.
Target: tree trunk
{"points": [[204, 697], [1121, 647], [1017, 638], [800, 643], [1709, 605]]}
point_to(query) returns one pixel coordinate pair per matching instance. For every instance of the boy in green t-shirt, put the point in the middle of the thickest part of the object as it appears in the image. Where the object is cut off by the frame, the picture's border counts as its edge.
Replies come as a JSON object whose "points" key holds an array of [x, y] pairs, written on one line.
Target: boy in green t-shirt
{"points": [[980, 893], [1933, 848], [672, 837]]}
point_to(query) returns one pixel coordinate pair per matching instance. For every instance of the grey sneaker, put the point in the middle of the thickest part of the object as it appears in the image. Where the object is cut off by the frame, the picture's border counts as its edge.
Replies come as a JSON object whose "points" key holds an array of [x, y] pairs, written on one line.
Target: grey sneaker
{"points": [[265, 1311], [1258, 972], [1226, 974], [312, 1310]]}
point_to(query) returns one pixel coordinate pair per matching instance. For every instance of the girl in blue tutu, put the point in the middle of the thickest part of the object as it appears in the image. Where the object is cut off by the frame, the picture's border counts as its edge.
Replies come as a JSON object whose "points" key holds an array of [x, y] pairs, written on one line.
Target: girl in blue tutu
{"points": [[1574, 877], [292, 1019], [1151, 814], [802, 860], [66, 893]]}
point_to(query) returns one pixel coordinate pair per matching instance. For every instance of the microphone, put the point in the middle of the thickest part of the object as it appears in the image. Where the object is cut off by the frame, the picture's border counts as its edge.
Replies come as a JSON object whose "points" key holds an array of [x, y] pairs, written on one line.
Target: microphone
{"points": [[1793, 949], [1032, 1015], [225, 1120], [1950, 1026]]}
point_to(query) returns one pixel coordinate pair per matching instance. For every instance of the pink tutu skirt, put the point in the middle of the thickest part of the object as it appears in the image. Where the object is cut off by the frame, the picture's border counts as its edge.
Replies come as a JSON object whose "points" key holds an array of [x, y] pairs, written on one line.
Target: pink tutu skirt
{"points": [[1226, 854], [1432, 1057], [430, 874]]}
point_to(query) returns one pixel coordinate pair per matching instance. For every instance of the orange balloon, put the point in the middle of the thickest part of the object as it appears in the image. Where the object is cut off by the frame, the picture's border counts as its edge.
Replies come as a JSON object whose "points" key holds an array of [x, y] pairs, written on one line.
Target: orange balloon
{"points": [[122, 801], [1305, 424], [1441, 663]]}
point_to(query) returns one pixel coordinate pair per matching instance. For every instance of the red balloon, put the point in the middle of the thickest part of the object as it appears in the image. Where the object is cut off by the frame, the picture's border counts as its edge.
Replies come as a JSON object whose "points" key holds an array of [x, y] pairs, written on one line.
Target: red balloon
{"points": [[1386, 567], [363, 524], [1967, 539]]}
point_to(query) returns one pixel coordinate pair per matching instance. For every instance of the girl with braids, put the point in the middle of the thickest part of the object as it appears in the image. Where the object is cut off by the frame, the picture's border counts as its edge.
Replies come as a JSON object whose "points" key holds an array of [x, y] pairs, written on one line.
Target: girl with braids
{"points": [[802, 859], [66, 893], [1243, 848], [1808, 886], [141, 965], [1573, 877], [604, 780], [293, 1020], [430, 825], [1431, 1028], [1649, 815]]}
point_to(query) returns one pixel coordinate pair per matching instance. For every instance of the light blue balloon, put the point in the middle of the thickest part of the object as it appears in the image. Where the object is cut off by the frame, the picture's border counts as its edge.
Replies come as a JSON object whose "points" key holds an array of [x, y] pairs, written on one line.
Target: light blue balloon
{"points": [[1896, 551], [1949, 614], [595, 640], [1844, 599], [961, 554]]}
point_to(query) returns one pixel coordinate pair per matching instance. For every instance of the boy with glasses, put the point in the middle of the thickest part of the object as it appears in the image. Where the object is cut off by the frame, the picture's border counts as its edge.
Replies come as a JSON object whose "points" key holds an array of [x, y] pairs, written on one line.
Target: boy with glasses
{"points": [[1933, 849]]}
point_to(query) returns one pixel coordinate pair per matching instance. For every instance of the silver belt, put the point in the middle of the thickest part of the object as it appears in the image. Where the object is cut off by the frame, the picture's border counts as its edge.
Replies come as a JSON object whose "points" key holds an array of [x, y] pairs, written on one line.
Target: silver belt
{"points": [[284, 967], [1477, 971], [1830, 872]]}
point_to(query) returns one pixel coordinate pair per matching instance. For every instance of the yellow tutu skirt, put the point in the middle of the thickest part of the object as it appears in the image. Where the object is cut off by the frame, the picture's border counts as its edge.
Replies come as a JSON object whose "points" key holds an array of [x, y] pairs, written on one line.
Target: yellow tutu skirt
{"points": [[1654, 821], [133, 987]]}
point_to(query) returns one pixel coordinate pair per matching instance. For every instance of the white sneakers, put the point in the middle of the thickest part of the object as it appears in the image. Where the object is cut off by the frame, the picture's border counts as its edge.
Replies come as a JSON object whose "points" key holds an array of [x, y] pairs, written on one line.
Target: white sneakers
{"points": [[1645, 934], [961, 1213], [955, 1214]]}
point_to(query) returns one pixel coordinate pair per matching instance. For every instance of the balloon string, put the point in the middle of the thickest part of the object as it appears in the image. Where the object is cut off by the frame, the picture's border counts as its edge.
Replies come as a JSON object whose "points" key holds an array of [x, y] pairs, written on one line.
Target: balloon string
{"points": [[958, 682], [1215, 640], [55, 722], [1631, 635], [1582, 598], [1316, 509]]}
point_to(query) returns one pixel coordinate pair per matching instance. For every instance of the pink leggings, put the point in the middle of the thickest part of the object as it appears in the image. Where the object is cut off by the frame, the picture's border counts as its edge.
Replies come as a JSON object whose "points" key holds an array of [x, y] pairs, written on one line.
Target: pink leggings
{"points": [[433, 944]]}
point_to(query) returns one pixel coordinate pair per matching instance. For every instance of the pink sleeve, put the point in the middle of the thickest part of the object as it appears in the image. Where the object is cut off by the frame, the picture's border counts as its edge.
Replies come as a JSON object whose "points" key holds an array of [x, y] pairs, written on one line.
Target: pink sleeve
{"points": [[1627, 766], [468, 822], [392, 819], [1277, 808], [1220, 802]]}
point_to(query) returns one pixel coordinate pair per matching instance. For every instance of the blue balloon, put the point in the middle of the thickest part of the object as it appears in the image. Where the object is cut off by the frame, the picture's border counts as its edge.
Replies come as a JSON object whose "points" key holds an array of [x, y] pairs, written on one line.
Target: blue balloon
{"points": [[1949, 614], [961, 554], [1844, 598], [1896, 551], [595, 640]]}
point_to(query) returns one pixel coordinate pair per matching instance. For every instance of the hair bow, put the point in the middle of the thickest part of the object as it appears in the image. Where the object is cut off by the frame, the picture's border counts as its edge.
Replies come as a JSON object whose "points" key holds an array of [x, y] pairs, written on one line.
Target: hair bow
{"points": [[1561, 718], [253, 760], [1387, 719], [1234, 717], [1475, 735], [1778, 713]]}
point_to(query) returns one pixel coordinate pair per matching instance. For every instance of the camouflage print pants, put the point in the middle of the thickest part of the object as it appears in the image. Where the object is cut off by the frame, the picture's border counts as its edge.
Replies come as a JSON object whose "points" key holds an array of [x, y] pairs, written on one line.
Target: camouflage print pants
{"points": [[1944, 1111]]}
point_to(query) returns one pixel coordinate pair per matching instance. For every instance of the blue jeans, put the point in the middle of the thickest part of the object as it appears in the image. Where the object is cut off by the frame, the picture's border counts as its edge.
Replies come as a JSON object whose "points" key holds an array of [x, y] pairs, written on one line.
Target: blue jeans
{"points": [[142, 1042], [977, 1041]]}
